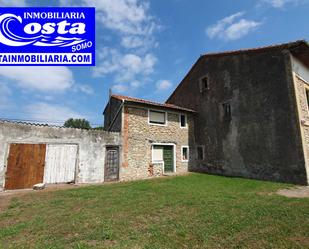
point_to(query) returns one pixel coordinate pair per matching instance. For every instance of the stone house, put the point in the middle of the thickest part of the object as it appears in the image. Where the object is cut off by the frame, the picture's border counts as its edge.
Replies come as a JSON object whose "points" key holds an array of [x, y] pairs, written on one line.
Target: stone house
{"points": [[252, 112], [155, 137]]}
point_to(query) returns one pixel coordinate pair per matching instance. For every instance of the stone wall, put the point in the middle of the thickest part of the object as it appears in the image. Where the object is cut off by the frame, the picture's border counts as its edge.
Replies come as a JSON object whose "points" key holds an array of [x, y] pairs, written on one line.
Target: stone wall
{"points": [[262, 138], [91, 146], [138, 136], [301, 85]]}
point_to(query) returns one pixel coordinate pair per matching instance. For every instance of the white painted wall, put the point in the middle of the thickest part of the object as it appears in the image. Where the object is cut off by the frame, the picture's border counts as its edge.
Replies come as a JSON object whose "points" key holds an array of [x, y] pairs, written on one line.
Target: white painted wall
{"points": [[91, 146]]}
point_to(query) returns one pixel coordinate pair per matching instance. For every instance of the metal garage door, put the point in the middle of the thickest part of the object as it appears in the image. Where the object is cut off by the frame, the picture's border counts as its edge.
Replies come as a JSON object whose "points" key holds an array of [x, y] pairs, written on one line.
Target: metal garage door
{"points": [[60, 163]]}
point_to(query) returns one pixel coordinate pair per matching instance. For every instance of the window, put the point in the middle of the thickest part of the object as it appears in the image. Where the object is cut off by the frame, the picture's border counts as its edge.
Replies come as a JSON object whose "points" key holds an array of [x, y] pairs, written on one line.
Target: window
{"points": [[204, 84], [183, 120], [227, 112], [157, 153], [185, 153], [157, 117], [307, 95], [200, 152]]}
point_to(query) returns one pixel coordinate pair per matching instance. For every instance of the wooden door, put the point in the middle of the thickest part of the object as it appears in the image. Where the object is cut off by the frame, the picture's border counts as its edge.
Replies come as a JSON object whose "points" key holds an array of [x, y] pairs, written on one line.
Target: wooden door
{"points": [[25, 165], [60, 163], [111, 172], [168, 158]]}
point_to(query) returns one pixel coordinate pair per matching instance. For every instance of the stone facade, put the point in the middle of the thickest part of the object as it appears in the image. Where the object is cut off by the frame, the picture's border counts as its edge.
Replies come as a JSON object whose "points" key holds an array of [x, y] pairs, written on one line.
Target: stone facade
{"points": [[137, 139], [262, 138], [301, 81]]}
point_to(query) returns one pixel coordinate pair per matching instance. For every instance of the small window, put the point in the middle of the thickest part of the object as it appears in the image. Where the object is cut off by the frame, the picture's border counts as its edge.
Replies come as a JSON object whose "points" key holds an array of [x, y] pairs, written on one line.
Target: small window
{"points": [[307, 95], [200, 152], [227, 112], [183, 120], [156, 117], [204, 84], [185, 154], [157, 153]]}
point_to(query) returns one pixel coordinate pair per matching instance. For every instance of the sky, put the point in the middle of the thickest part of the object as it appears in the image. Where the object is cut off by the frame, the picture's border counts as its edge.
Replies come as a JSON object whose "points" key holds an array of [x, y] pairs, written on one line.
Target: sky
{"points": [[143, 50]]}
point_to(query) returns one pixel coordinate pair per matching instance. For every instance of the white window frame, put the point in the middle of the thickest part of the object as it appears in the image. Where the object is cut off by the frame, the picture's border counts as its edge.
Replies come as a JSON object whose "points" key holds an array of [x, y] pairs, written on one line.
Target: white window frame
{"points": [[188, 151], [174, 152], [154, 110], [186, 120], [203, 149]]}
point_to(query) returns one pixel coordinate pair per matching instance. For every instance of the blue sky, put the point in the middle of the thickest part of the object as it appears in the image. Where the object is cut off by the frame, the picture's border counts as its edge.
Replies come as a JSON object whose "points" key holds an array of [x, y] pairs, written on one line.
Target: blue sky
{"points": [[144, 49]]}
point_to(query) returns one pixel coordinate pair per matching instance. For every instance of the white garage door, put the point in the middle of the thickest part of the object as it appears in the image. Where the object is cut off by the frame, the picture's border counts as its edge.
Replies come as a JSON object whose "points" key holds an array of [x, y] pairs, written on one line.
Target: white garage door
{"points": [[60, 163]]}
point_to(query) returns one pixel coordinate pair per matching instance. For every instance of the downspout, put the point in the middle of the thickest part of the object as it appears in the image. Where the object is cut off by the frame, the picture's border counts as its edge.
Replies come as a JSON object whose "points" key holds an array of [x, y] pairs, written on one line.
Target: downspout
{"points": [[114, 119]]}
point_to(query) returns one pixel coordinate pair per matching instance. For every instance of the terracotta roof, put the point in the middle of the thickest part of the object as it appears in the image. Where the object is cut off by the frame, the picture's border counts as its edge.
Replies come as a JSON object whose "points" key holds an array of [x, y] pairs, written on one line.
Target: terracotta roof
{"points": [[147, 102], [289, 45]]}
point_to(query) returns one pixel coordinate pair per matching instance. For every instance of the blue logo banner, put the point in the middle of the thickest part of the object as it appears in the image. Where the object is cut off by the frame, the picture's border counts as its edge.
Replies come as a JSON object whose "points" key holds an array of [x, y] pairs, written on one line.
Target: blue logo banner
{"points": [[47, 36]]}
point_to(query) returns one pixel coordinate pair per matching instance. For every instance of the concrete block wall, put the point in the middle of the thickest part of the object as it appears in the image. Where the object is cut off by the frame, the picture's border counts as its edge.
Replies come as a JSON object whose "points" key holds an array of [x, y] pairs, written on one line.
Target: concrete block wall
{"points": [[91, 146]]}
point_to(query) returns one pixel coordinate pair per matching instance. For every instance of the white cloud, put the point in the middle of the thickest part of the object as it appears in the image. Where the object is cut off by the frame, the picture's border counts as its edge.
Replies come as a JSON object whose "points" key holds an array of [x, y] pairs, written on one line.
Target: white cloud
{"points": [[13, 3], [50, 112], [129, 18], [232, 27], [126, 16], [132, 41], [240, 29], [163, 85], [42, 78], [84, 88], [119, 88], [126, 67], [279, 4]]}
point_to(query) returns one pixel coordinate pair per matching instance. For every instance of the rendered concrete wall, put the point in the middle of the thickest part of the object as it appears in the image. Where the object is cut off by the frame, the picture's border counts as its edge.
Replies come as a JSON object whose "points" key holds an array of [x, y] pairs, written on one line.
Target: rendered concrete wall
{"points": [[91, 146]]}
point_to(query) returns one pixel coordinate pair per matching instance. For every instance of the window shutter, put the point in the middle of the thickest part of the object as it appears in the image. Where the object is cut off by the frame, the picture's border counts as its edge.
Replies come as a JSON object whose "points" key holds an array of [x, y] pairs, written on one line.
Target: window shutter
{"points": [[157, 153], [157, 117]]}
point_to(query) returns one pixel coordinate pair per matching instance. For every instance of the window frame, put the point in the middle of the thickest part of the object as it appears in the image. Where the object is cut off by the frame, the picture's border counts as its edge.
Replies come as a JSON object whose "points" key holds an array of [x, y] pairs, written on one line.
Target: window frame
{"points": [[158, 124], [186, 120], [188, 153], [203, 152], [307, 96], [227, 110], [201, 84]]}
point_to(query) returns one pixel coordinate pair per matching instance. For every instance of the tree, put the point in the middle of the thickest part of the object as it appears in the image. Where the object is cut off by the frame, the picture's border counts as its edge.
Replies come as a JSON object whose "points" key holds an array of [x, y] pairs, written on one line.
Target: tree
{"points": [[77, 123]]}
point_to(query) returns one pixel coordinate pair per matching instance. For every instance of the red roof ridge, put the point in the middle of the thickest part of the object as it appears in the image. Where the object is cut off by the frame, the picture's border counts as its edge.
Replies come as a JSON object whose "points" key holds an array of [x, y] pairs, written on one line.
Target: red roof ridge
{"points": [[148, 102]]}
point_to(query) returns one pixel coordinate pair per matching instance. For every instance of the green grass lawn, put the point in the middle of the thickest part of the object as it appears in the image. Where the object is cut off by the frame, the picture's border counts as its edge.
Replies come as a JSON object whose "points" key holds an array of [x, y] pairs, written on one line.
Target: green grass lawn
{"points": [[194, 211]]}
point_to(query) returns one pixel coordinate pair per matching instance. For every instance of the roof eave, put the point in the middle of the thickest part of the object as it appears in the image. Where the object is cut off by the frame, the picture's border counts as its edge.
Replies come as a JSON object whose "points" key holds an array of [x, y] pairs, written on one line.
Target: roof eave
{"points": [[180, 109]]}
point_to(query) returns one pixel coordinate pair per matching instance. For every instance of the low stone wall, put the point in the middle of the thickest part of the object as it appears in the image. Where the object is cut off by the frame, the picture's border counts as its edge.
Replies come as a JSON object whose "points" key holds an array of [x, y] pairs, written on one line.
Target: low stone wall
{"points": [[91, 146]]}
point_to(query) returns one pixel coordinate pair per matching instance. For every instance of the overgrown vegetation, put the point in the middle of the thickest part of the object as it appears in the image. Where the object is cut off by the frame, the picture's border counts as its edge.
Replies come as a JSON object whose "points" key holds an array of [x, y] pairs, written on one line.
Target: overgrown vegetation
{"points": [[77, 123], [195, 211]]}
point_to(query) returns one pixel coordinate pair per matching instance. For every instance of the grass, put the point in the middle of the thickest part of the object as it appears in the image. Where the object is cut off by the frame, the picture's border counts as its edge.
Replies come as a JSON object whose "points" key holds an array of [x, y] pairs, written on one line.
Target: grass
{"points": [[194, 211]]}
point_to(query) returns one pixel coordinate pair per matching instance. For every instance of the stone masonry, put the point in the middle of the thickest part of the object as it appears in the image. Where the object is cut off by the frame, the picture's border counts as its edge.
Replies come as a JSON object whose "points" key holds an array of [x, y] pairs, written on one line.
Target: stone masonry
{"points": [[302, 103], [138, 137]]}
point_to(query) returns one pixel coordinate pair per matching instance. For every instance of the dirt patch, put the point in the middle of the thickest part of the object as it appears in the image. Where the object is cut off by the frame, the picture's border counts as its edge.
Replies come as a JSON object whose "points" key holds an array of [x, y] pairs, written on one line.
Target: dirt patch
{"points": [[298, 192]]}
